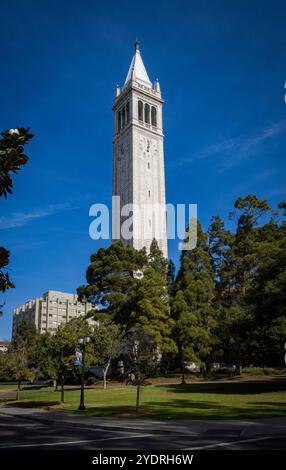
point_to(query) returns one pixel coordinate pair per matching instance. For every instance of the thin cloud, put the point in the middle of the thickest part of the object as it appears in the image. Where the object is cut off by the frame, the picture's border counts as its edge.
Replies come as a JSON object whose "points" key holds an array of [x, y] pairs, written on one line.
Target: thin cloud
{"points": [[232, 151], [214, 149], [280, 191], [19, 219]]}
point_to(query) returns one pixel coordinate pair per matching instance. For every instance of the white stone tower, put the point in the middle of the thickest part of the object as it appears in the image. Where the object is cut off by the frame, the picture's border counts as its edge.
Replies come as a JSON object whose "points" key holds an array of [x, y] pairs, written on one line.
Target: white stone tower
{"points": [[138, 159]]}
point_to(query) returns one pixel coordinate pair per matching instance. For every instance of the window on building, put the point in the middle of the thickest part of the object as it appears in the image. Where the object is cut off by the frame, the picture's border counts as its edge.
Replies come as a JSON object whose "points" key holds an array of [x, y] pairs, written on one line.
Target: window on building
{"points": [[147, 113], [140, 111], [154, 116], [127, 113], [149, 194], [148, 165], [119, 121], [123, 117]]}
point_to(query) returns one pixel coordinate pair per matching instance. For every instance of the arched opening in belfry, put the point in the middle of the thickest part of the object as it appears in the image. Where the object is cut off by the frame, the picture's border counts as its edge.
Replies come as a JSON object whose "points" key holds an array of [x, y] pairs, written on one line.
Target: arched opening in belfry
{"points": [[147, 113], [154, 116], [140, 111]]}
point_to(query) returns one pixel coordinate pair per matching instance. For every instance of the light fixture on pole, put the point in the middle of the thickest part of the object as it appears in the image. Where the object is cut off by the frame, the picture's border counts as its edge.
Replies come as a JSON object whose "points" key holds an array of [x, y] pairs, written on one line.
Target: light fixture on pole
{"points": [[82, 341]]}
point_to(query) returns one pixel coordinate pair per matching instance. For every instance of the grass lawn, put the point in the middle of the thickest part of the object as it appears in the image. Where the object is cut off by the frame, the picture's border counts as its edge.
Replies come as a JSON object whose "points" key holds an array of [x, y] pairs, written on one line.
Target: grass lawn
{"points": [[249, 399]]}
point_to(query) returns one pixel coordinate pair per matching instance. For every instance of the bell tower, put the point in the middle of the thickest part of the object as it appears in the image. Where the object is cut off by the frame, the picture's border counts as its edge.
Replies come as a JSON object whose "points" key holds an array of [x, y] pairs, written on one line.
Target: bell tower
{"points": [[138, 159]]}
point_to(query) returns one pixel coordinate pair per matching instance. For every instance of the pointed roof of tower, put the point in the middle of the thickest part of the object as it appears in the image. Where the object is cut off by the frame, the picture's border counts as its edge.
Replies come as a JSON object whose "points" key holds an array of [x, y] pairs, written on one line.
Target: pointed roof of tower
{"points": [[137, 69]]}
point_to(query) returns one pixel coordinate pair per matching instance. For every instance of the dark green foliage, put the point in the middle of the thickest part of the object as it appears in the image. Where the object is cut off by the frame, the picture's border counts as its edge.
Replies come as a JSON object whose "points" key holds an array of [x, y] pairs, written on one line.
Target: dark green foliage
{"points": [[12, 158], [108, 343], [5, 281], [111, 280], [131, 288], [250, 267], [157, 260], [25, 335], [192, 306]]}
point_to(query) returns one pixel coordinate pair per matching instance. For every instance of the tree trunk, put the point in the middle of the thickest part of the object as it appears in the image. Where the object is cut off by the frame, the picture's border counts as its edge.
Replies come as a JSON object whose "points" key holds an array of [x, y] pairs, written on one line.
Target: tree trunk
{"points": [[55, 384], [62, 389], [138, 398], [104, 373]]}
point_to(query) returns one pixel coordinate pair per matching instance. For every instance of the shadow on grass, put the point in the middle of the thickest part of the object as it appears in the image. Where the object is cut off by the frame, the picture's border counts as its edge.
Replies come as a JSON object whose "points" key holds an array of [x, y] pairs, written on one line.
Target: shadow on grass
{"points": [[182, 409], [233, 388], [269, 403], [33, 404]]}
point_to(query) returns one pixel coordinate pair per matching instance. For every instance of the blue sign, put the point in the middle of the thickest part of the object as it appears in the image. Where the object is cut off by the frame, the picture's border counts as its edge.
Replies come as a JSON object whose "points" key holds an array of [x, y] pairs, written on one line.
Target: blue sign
{"points": [[78, 357]]}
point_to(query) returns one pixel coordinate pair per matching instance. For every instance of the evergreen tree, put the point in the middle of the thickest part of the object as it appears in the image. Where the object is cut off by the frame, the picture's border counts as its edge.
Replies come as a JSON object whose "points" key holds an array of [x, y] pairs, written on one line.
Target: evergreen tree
{"points": [[131, 288], [267, 295], [157, 261], [193, 302], [151, 309], [112, 278]]}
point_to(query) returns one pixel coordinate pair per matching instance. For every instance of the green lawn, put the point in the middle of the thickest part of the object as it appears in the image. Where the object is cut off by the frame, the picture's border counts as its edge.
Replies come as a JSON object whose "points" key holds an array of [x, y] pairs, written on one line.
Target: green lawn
{"points": [[255, 399]]}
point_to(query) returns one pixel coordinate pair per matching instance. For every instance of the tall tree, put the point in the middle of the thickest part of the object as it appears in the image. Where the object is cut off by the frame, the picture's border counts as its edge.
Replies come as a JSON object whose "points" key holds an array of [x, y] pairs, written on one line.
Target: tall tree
{"points": [[41, 357], [193, 303], [131, 288], [151, 309], [111, 277], [108, 343], [236, 259], [157, 261], [64, 344], [142, 360], [12, 158], [18, 367], [267, 295]]}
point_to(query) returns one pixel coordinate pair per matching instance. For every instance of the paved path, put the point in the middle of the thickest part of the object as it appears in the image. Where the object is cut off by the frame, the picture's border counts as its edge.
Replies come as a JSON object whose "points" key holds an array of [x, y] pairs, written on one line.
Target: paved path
{"points": [[40, 429]]}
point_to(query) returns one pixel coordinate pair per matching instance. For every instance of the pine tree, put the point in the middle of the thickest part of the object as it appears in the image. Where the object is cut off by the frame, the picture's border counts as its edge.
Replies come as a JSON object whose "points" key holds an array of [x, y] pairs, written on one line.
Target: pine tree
{"points": [[131, 288], [112, 279], [193, 302]]}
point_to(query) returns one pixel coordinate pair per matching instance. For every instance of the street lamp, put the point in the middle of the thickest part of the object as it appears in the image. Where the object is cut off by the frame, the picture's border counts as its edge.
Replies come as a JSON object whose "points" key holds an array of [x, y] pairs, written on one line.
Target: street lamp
{"points": [[82, 341]]}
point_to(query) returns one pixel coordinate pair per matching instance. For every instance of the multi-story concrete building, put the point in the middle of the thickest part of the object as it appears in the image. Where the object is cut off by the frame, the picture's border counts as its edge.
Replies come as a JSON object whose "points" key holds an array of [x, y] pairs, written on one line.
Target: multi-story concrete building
{"points": [[138, 160], [4, 346], [50, 311]]}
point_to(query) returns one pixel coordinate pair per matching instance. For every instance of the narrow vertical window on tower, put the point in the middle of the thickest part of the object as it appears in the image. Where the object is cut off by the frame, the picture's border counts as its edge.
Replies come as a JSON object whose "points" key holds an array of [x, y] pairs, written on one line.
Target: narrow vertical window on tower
{"points": [[127, 113], [154, 116], [140, 111], [147, 113], [123, 116], [119, 121]]}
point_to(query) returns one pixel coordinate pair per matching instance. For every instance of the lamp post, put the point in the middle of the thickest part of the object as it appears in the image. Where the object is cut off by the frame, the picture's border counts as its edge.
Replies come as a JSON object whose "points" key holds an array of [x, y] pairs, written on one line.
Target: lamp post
{"points": [[82, 342]]}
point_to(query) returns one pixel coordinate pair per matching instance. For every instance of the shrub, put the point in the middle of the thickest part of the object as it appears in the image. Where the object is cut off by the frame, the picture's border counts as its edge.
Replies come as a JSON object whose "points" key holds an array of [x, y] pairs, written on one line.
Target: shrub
{"points": [[263, 371]]}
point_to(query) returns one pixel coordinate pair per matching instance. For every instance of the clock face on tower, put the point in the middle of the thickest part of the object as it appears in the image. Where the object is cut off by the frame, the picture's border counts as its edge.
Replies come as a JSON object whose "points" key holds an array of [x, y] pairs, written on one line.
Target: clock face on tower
{"points": [[148, 146]]}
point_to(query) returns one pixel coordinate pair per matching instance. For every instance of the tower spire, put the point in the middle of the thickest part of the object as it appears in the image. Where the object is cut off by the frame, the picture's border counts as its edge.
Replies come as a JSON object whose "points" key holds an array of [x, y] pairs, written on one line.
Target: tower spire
{"points": [[137, 45], [137, 71]]}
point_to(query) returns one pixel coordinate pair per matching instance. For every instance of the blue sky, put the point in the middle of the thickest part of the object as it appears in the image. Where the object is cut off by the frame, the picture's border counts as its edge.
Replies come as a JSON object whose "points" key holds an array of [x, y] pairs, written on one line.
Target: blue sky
{"points": [[221, 66]]}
